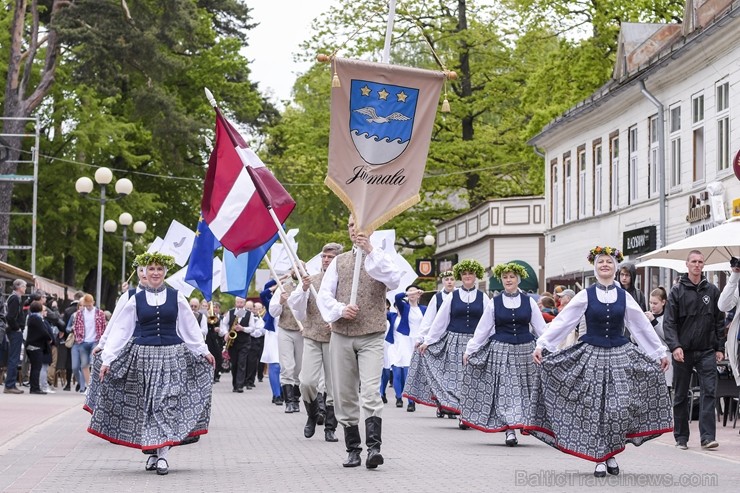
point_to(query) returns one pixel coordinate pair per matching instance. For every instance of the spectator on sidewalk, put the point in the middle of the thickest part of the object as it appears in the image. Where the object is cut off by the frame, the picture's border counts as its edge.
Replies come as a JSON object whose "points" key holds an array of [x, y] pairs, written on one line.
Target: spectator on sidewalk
{"points": [[38, 345], [694, 330], [16, 322], [88, 325]]}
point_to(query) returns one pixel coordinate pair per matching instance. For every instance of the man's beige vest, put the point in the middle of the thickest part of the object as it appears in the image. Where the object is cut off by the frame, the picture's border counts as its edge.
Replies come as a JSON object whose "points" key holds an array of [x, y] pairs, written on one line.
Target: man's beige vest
{"points": [[314, 327], [370, 299], [287, 320]]}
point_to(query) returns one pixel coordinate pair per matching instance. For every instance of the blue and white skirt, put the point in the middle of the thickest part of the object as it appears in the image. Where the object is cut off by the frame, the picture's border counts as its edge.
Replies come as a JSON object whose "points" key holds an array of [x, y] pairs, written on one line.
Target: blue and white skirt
{"points": [[497, 384], [152, 397], [435, 378], [592, 400]]}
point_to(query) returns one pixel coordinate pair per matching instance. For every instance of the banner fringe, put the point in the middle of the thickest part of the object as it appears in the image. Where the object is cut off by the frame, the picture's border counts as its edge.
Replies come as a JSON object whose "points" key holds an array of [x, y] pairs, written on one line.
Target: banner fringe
{"points": [[387, 216]]}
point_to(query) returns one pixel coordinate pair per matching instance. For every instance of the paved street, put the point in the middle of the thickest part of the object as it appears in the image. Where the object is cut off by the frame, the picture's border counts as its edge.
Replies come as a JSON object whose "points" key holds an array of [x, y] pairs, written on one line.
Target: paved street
{"points": [[254, 446]]}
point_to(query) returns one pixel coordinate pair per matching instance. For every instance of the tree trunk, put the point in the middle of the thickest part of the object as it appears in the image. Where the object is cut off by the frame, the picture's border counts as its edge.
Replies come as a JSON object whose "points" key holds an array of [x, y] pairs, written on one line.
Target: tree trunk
{"points": [[18, 103]]}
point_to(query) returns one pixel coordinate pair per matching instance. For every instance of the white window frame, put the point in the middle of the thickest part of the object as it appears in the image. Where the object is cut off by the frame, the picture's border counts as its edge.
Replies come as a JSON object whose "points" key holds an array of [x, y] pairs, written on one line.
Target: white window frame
{"points": [[674, 126], [632, 142], [698, 139], [653, 156], [723, 125], [598, 178], [582, 183], [614, 156], [567, 165], [555, 195]]}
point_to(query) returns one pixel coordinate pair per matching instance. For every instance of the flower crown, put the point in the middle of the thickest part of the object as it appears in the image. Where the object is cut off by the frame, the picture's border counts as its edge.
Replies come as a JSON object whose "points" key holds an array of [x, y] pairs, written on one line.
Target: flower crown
{"points": [[517, 269], [166, 261], [614, 252], [468, 265], [447, 273]]}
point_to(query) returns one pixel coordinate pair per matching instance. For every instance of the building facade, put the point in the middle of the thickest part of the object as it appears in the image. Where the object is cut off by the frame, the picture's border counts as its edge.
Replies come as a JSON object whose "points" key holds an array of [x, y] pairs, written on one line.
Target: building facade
{"points": [[496, 231], [648, 159]]}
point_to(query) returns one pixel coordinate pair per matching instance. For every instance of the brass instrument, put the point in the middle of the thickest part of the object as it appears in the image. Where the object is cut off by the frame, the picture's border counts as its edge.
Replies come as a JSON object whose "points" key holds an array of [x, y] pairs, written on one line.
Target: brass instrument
{"points": [[231, 336], [212, 317]]}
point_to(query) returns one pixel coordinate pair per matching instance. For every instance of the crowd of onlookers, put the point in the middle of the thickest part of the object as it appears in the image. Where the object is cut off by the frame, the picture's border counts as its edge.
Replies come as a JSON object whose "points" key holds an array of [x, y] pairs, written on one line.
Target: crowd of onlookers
{"points": [[45, 345]]}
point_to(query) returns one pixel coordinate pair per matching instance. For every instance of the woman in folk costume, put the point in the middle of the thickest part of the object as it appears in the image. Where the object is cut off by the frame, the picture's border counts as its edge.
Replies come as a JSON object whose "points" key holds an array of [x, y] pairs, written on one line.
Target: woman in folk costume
{"points": [[403, 334], [437, 378], [92, 395], [156, 373], [385, 376], [603, 392], [499, 373]]}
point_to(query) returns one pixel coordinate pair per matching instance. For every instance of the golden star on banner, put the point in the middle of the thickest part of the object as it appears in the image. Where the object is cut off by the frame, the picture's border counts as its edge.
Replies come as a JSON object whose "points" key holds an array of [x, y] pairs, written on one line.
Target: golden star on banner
{"points": [[383, 94], [402, 96], [365, 91]]}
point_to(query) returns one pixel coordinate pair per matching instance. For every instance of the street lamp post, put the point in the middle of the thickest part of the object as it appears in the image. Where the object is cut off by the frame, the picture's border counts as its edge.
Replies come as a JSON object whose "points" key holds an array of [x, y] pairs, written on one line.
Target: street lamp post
{"points": [[84, 185], [125, 220]]}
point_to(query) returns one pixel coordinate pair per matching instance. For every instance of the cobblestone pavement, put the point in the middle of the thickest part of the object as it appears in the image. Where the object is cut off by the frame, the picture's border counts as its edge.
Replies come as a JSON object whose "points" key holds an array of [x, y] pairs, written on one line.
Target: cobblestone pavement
{"points": [[253, 445]]}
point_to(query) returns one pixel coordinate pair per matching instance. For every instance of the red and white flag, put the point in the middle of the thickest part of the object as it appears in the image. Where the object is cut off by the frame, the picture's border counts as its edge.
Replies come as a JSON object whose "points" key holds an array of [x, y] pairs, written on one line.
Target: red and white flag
{"points": [[238, 191]]}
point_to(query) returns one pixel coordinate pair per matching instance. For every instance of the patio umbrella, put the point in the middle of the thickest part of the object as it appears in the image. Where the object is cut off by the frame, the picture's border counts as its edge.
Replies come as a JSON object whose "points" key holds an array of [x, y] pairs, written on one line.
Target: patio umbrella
{"points": [[680, 265], [717, 244]]}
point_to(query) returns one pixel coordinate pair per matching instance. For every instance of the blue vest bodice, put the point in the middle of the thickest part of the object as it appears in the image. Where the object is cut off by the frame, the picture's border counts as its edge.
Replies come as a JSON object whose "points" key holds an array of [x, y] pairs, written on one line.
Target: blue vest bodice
{"points": [[605, 321], [464, 317], [156, 325], [512, 324]]}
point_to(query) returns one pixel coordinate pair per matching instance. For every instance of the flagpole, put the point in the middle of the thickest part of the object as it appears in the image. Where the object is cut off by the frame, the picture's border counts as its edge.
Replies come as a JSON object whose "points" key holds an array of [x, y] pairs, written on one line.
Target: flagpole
{"points": [[277, 280], [297, 266], [356, 276], [389, 31]]}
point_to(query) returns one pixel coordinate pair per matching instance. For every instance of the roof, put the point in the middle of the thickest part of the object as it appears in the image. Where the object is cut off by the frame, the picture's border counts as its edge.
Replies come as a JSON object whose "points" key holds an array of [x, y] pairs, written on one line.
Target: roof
{"points": [[643, 49]]}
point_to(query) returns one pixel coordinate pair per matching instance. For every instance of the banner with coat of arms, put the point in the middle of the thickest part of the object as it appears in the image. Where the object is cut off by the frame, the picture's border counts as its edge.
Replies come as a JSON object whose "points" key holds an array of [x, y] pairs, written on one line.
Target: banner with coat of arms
{"points": [[381, 124]]}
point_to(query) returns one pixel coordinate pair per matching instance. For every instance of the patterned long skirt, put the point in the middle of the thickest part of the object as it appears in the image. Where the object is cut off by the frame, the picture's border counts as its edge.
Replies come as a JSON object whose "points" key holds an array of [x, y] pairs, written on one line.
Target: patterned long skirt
{"points": [[153, 396], [591, 401], [435, 378], [497, 384]]}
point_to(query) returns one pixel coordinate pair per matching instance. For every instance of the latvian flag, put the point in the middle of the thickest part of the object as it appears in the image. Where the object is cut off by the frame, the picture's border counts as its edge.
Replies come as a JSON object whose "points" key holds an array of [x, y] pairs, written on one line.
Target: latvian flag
{"points": [[238, 191]]}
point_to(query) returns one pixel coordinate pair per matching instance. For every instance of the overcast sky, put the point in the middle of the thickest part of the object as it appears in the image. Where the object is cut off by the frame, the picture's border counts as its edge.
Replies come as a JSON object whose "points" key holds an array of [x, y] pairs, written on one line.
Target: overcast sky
{"points": [[283, 25]]}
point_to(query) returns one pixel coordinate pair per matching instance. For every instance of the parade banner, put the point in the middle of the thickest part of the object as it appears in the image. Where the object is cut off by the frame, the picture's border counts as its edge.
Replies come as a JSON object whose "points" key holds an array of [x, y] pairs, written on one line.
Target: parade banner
{"points": [[381, 123]]}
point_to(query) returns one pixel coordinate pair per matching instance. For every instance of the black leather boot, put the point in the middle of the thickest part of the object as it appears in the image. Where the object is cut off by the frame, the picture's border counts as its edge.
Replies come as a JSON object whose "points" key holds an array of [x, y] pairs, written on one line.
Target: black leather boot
{"points": [[354, 446], [288, 397], [296, 399], [330, 425], [373, 427], [321, 415], [312, 409]]}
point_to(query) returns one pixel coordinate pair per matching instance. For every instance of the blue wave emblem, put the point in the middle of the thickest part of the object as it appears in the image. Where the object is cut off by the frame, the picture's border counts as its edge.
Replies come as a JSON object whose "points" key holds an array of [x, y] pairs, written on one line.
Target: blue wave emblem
{"points": [[381, 119]]}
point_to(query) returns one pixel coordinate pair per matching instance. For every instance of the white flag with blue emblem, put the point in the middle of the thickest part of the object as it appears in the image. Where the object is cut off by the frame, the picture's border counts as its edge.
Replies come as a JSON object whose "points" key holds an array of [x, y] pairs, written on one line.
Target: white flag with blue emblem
{"points": [[381, 124]]}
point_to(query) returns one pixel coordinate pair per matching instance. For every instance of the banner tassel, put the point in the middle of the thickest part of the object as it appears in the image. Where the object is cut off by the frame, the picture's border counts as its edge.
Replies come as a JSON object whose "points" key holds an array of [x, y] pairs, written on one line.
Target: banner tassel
{"points": [[445, 102]]}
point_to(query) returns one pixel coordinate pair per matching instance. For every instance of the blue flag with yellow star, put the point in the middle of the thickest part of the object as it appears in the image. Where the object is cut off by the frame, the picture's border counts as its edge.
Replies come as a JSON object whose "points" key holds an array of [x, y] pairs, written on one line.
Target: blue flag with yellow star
{"points": [[200, 267]]}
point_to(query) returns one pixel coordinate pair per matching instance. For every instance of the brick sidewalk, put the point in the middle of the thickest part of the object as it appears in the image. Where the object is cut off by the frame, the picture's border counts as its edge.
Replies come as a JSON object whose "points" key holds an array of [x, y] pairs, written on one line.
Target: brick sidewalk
{"points": [[254, 446]]}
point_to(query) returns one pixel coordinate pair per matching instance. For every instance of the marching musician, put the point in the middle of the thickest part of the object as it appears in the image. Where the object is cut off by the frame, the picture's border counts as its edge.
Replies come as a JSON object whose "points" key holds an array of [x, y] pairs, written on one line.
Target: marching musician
{"points": [[214, 341], [239, 327]]}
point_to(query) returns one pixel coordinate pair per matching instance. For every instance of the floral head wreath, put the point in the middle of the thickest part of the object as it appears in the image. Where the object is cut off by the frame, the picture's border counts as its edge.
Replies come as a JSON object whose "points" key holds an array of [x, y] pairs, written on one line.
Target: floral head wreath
{"points": [[447, 273], [517, 269], [607, 250], [468, 265], [166, 261]]}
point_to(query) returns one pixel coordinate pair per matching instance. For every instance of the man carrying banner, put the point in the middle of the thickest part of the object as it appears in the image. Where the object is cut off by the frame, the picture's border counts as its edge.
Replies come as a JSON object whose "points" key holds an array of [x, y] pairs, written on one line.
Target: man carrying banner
{"points": [[316, 336], [356, 348]]}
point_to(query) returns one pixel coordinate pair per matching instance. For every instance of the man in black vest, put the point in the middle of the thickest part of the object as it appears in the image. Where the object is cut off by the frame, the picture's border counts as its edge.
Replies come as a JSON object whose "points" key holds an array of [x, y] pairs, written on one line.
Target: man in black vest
{"points": [[238, 325], [16, 322]]}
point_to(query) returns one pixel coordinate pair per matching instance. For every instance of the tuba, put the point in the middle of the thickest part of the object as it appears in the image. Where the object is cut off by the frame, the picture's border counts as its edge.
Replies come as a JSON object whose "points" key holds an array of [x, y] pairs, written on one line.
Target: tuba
{"points": [[231, 336]]}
